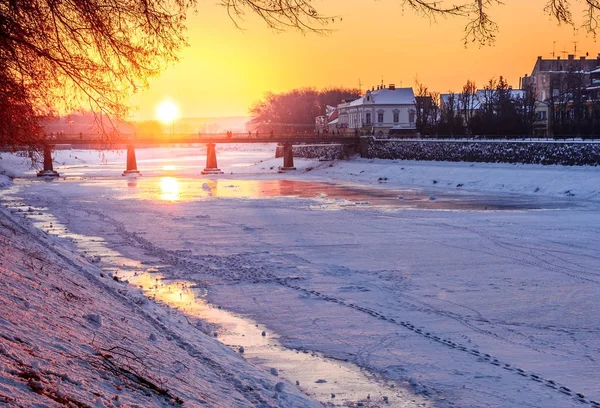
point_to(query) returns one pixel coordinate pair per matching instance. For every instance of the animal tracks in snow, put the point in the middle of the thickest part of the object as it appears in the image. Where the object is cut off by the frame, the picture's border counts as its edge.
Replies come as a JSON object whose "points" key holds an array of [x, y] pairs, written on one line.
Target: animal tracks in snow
{"points": [[243, 267]]}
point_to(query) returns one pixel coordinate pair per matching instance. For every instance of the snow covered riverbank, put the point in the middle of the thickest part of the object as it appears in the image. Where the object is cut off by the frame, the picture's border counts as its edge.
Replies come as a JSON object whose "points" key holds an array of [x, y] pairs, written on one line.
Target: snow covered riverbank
{"points": [[73, 336], [459, 308]]}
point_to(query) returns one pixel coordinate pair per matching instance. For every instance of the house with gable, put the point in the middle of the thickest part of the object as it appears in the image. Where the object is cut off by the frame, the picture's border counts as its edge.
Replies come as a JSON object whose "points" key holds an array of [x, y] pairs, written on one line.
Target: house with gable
{"points": [[380, 112]]}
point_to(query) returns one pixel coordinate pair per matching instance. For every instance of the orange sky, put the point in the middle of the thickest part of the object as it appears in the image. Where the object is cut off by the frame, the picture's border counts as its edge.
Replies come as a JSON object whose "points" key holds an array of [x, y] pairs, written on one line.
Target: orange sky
{"points": [[224, 70]]}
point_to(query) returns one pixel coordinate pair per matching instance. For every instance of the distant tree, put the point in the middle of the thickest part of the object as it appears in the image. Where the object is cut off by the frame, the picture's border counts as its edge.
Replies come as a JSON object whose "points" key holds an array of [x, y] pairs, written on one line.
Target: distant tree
{"points": [[501, 111], [468, 102], [576, 89], [507, 121], [484, 120], [594, 118], [426, 109], [296, 110], [568, 104], [489, 92], [450, 123], [526, 109], [434, 112]]}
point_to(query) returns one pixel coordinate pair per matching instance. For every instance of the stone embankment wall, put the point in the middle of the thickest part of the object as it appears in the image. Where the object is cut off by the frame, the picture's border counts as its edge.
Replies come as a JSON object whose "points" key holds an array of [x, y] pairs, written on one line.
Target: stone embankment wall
{"points": [[491, 151], [321, 152]]}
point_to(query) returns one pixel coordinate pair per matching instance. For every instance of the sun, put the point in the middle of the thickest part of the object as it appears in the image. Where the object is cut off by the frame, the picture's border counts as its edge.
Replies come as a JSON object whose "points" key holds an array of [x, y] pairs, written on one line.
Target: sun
{"points": [[167, 112]]}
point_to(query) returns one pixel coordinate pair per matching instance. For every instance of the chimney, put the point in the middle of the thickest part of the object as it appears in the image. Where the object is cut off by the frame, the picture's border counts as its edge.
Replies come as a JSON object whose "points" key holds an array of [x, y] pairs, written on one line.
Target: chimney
{"points": [[571, 57], [392, 87], [582, 58]]}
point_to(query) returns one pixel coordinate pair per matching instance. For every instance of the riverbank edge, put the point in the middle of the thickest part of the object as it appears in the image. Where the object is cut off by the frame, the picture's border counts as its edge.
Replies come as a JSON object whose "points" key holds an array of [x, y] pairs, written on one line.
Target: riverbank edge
{"points": [[72, 334]]}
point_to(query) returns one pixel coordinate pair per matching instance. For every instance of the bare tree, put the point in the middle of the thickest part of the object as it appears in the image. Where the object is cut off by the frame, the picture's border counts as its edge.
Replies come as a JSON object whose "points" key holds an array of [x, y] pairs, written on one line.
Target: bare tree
{"points": [[279, 15], [526, 107], [95, 53], [421, 102], [69, 54], [468, 100], [450, 122], [426, 108]]}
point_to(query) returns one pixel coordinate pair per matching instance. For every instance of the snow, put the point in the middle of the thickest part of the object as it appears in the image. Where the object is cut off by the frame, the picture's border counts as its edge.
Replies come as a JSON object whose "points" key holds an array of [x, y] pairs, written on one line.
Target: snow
{"points": [[52, 350], [440, 307], [4, 180], [386, 96]]}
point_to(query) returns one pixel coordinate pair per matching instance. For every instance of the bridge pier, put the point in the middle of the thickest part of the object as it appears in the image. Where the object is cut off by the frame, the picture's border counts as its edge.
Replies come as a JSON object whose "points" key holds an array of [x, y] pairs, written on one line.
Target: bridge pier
{"points": [[48, 167], [288, 158], [211, 160], [131, 162]]}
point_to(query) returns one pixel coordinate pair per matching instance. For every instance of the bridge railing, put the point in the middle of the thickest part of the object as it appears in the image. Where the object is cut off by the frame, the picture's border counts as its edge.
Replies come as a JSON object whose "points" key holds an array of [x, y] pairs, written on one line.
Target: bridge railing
{"points": [[191, 138]]}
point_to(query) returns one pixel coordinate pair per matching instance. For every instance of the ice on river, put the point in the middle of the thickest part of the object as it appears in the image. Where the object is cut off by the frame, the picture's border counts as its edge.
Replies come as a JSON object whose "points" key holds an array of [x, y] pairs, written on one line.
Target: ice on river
{"points": [[460, 307]]}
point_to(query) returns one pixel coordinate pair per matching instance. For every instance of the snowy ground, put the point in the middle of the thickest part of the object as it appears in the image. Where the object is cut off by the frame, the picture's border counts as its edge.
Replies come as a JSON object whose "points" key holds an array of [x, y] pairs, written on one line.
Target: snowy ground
{"points": [[441, 307], [71, 335]]}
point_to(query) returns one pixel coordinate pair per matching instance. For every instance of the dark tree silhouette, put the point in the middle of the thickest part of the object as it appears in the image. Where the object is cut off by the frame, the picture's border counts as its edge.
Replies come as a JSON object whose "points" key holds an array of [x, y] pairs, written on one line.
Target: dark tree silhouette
{"points": [[526, 109], [94, 53], [450, 123], [467, 103], [71, 54], [296, 110], [482, 29], [426, 109]]}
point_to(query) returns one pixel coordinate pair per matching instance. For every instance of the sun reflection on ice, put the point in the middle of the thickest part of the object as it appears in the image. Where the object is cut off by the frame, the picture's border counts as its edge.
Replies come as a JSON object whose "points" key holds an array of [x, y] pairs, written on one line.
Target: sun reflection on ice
{"points": [[169, 189]]}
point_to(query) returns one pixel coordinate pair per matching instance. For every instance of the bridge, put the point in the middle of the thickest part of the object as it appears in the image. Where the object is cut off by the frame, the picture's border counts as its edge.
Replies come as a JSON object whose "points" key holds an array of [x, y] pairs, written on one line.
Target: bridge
{"points": [[210, 139]]}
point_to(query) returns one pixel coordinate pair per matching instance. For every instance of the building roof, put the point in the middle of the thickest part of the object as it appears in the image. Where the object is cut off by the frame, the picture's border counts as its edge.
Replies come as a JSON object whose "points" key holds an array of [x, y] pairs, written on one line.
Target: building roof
{"points": [[562, 65], [396, 96], [386, 96], [333, 115]]}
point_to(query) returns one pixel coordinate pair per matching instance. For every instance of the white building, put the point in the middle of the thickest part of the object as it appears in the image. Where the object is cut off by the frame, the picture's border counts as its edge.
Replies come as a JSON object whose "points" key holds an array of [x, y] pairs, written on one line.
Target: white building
{"points": [[380, 111]]}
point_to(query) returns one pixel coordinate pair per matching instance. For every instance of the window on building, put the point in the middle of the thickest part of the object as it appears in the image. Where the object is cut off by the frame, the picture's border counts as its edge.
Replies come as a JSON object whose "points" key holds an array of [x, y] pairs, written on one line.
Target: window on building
{"points": [[379, 117], [411, 116], [396, 116], [368, 118]]}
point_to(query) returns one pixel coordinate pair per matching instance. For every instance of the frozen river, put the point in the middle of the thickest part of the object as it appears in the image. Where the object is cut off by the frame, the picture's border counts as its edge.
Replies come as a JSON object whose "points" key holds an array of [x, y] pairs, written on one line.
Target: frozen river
{"points": [[432, 297]]}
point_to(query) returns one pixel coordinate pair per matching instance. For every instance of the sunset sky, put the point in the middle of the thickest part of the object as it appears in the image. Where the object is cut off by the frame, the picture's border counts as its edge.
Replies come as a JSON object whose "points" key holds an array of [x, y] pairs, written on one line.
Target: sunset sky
{"points": [[225, 69]]}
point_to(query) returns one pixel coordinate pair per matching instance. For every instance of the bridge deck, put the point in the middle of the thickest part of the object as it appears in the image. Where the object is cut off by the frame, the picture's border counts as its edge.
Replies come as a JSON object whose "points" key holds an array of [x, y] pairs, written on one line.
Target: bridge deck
{"points": [[219, 139]]}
